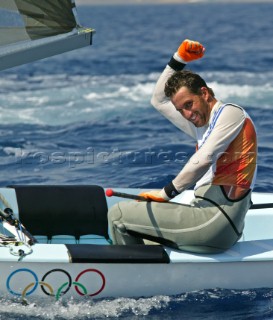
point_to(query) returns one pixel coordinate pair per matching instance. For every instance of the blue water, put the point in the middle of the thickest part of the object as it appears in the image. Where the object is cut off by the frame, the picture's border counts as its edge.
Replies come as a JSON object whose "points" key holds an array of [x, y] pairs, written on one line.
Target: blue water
{"points": [[85, 118]]}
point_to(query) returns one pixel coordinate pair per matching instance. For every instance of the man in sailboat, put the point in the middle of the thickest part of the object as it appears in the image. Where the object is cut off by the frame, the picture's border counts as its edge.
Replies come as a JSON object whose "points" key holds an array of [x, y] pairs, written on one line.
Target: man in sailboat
{"points": [[222, 170]]}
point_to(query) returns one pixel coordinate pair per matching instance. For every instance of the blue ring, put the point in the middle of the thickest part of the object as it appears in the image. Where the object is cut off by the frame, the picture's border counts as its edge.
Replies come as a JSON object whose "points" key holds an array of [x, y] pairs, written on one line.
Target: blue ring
{"points": [[26, 270]]}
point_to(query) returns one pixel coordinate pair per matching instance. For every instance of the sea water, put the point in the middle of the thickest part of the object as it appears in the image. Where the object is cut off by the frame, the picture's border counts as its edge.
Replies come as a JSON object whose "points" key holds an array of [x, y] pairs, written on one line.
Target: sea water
{"points": [[85, 117]]}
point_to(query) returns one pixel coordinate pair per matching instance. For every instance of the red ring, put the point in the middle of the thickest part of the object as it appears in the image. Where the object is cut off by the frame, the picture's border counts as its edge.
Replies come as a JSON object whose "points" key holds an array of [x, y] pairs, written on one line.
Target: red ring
{"points": [[91, 270]]}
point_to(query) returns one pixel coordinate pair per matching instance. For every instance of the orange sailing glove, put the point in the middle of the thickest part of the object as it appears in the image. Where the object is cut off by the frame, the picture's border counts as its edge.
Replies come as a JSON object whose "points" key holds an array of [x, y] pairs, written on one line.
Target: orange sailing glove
{"points": [[190, 50], [154, 195]]}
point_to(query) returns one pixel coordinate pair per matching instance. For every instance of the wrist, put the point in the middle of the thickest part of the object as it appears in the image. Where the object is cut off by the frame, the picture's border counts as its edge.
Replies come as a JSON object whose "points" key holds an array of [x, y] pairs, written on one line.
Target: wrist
{"points": [[163, 195], [170, 190], [178, 58], [177, 63]]}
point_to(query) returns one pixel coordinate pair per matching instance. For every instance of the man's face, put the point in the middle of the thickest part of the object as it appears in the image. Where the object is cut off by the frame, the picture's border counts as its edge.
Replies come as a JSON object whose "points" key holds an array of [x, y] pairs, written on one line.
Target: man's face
{"points": [[194, 108]]}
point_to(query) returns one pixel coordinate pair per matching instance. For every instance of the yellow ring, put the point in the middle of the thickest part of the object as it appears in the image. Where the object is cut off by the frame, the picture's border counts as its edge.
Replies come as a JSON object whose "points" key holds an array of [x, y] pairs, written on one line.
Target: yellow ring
{"points": [[32, 284]]}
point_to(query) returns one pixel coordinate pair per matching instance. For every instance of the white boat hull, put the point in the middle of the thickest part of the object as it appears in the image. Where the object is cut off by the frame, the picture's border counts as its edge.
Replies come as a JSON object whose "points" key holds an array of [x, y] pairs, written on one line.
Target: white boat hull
{"points": [[66, 280]]}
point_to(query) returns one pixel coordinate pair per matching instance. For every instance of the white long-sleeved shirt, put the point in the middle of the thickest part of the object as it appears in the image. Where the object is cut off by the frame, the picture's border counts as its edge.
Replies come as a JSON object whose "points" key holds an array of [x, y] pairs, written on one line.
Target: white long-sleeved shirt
{"points": [[227, 146]]}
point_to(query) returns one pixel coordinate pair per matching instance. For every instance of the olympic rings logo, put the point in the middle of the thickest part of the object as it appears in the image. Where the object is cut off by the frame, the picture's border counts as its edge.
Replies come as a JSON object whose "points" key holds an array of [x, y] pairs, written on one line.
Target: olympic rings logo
{"points": [[62, 289]]}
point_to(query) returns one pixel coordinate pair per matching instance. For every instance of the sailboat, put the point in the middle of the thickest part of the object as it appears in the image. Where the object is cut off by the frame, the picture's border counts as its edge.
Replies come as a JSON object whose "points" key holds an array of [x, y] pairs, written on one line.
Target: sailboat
{"points": [[54, 238]]}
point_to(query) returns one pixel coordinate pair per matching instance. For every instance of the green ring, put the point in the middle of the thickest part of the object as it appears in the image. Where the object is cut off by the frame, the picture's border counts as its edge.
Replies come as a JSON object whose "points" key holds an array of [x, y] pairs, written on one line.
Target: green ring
{"points": [[65, 284]]}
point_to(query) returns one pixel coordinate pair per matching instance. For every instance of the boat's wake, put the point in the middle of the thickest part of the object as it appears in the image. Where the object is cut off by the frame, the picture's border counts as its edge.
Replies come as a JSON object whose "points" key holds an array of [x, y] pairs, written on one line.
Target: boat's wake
{"points": [[208, 304]]}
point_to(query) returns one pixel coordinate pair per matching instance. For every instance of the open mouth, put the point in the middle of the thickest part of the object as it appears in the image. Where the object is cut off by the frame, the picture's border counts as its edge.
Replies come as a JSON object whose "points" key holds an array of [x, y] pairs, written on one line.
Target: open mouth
{"points": [[194, 118]]}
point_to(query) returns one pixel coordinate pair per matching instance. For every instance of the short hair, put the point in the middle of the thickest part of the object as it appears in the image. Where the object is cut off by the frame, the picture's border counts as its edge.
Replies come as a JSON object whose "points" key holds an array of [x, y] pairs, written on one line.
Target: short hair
{"points": [[185, 78]]}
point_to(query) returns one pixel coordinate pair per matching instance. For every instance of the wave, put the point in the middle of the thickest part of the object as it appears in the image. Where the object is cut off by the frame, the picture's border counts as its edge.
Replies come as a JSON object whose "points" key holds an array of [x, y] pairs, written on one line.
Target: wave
{"points": [[212, 304], [59, 100]]}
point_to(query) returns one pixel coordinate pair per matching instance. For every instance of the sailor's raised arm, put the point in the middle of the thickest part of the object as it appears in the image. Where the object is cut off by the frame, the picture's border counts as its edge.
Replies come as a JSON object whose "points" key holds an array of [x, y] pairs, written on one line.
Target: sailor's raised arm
{"points": [[187, 51]]}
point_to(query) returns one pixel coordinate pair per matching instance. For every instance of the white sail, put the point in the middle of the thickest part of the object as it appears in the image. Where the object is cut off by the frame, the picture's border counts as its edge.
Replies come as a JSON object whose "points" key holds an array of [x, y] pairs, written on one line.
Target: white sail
{"points": [[32, 30]]}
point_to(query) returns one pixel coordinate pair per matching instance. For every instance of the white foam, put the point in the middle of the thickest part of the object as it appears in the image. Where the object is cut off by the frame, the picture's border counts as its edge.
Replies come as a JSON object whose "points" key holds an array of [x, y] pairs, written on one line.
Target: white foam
{"points": [[61, 99], [114, 308]]}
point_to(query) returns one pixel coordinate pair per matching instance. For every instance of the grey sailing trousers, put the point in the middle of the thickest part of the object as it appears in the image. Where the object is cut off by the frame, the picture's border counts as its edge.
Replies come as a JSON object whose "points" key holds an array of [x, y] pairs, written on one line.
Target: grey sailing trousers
{"points": [[212, 223]]}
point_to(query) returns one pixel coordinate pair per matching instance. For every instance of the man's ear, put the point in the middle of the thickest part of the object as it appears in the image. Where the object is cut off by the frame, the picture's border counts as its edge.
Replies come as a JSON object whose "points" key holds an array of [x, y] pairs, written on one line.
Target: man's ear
{"points": [[205, 93]]}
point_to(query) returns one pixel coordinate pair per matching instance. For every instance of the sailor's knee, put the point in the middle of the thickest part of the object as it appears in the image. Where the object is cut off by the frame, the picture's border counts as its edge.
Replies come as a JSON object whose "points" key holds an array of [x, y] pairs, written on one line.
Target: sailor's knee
{"points": [[114, 213]]}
